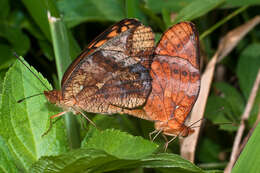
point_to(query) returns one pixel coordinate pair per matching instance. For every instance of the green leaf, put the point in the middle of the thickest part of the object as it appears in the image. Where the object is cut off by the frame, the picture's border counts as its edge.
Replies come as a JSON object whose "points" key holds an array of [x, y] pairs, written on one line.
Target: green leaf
{"points": [[6, 160], [172, 6], [75, 161], [240, 3], [226, 108], [22, 124], [4, 9], [249, 159], [6, 56], [91, 160], [115, 121], [12, 34], [78, 11], [120, 144], [169, 163], [133, 10], [208, 151], [38, 11], [247, 68], [63, 60], [196, 9], [2, 75], [232, 96], [47, 49]]}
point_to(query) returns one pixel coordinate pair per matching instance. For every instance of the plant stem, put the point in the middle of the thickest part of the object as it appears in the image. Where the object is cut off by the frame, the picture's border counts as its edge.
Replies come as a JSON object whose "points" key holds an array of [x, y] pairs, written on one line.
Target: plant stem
{"points": [[221, 22]]}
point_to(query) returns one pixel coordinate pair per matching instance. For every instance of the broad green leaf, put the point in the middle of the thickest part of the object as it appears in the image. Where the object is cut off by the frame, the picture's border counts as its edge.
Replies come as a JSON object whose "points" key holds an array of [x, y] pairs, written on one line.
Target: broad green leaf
{"points": [[91, 160], [249, 159], [78, 11], [196, 9], [6, 160], [120, 144], [247, 68], [22, 124], [173, 6]]}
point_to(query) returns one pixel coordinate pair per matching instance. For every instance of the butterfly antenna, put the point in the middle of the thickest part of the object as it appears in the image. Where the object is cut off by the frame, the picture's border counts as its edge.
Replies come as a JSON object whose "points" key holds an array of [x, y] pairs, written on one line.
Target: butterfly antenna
{"points": [[202, 119], [15, 54], [21, 100]]}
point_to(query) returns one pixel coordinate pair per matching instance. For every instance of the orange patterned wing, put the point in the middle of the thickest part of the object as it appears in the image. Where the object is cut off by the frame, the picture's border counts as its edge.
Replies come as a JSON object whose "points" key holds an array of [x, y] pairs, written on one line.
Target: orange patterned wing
{"points": [[113, 72], [176, 79]]}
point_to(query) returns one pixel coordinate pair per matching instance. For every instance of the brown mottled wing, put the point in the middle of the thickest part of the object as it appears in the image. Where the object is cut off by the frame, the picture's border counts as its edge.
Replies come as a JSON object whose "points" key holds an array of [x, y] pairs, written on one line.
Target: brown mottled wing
{"points": [[175, 73], [109, 33], [116, 74]]}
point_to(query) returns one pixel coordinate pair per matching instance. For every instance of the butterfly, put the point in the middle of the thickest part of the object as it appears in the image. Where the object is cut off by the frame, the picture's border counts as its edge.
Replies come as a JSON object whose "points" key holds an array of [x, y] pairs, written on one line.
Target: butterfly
{"points": [[175, 81], [111, 75]]}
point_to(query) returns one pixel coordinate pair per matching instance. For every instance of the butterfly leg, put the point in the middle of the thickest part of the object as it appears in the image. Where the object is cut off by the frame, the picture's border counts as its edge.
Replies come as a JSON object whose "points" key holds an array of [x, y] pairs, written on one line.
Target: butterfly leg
{"points": [[50, 127], [168, 142], [85, 116], [153, 132]]}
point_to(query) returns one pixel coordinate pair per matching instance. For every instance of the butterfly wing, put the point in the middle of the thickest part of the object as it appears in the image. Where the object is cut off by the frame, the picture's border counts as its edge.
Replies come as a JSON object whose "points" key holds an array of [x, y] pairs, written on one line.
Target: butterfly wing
{"points": [[109, 33], [115, 70], [175, 74]]}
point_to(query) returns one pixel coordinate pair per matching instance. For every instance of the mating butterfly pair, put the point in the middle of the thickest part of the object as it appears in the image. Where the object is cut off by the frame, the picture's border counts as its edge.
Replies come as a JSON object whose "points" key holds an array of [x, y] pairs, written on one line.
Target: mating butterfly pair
{"points": [[122, 71]]}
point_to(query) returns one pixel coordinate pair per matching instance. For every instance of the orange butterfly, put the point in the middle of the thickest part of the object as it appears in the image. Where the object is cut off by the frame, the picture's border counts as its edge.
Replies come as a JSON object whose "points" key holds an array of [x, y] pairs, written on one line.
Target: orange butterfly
{"points": [[176, 81]]}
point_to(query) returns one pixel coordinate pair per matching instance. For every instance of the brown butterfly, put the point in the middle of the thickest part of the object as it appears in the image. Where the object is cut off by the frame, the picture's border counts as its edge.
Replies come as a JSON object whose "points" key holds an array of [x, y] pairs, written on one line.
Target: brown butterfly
{"points": [[111, 75]]}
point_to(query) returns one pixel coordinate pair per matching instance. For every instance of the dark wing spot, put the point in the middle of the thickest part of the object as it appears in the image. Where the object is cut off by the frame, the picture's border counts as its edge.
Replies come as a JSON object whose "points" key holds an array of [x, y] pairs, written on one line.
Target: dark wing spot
{"points": [[184, 73], [175, 71]]}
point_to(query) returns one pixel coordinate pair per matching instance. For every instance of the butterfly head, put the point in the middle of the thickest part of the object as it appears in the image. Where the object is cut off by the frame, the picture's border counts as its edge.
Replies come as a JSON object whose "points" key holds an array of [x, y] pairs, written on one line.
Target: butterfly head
{"points": [[173, 128], [53, 96]]}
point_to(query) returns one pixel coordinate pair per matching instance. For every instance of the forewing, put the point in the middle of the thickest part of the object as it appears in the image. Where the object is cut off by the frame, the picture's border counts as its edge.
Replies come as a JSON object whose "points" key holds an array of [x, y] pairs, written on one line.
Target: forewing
{"points": [[109, 33]]}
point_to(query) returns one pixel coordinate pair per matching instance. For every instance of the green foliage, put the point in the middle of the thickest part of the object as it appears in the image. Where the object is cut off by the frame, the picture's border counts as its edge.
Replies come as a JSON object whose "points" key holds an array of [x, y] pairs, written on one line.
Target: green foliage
{"points": [[119, 143], [76, 12], [248, 161], [91, 160], [22, 124]]}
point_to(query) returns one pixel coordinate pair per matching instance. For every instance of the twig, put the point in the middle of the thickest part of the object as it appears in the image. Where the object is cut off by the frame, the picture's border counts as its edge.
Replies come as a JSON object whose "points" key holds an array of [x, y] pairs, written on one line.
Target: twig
{"points": [[241, 128]]}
